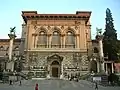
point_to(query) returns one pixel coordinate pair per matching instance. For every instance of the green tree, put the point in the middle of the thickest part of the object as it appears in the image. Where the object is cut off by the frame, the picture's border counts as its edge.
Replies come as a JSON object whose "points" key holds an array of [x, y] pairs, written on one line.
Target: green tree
{"points": [[110, 42]]}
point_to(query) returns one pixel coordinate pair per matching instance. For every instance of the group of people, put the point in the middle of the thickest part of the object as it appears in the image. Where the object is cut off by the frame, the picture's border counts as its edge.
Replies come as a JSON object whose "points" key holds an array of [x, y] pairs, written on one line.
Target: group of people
{"points": [[72, 77], [11, 82]]}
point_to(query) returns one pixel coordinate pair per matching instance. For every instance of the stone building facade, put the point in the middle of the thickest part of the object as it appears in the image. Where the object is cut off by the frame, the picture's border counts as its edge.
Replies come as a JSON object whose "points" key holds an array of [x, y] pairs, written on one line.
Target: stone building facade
{"points": [[4, 51], [56, 44]]}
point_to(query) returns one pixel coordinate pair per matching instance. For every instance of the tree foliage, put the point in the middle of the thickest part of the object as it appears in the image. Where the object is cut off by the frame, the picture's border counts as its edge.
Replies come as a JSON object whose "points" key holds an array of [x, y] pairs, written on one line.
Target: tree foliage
{"points": [[110, 42]]}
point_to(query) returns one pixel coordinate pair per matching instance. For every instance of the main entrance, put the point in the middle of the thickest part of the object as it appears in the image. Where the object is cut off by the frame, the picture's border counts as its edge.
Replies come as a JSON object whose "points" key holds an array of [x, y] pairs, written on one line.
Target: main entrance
{"points": [[54, 65], [55, 68], [54, 71]]}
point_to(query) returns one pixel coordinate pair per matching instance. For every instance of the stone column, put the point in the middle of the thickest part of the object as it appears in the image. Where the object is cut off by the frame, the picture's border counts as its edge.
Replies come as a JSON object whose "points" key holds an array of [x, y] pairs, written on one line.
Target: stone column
{"points": [[10, 64], [112, 67], [77, 40], [48, 75], [101, 55], [106, 68], [50, 40], [98, 67], [63, 41], [100, 38], [61, 75], [47, 41]]}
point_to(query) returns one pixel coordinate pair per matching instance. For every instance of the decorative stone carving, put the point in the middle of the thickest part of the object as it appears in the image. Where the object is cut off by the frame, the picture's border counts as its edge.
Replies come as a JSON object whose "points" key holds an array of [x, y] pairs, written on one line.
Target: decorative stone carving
{"points": [[42, 28], [77, 22], [35, 27], [34, 22], [49, 27], [76, 27], [62, 27]]}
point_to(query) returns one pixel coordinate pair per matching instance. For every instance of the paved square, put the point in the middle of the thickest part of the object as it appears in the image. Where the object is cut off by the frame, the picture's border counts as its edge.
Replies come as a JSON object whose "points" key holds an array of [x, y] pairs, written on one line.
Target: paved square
{"points": [[54, 85]]}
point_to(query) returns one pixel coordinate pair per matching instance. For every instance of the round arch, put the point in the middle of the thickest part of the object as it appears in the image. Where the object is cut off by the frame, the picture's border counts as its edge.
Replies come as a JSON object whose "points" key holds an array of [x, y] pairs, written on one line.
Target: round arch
{"points": [[55, 29], [69, 29], [41, 29]]}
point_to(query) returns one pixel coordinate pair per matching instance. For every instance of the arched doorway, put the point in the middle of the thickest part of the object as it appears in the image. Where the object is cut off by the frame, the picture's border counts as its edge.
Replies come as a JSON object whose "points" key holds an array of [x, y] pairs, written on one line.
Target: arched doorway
{"points": [[55, 69], [93, 66]]}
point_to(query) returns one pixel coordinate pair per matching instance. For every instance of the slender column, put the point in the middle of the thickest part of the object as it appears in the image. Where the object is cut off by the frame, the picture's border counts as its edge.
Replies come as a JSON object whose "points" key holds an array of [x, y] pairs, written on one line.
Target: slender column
{"points": [[61, 76], [64, 41], [101, 55], [98, 67], [36, 38], [61, 39], [49, 40], [10, 48], [10, 64], [77, 40], [35, 41], [106, 68], [112, 67]]}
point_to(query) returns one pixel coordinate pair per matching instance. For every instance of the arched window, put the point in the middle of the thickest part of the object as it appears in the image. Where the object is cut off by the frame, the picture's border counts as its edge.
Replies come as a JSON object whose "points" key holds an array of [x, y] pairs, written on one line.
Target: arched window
{"points": [[56, 39], [42, 39], [70, 40], [96, 50]]}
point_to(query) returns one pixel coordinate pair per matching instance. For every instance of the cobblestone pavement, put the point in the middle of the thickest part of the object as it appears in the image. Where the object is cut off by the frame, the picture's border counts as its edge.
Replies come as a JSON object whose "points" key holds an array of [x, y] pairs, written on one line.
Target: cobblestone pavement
{"points": [[54, 85]]}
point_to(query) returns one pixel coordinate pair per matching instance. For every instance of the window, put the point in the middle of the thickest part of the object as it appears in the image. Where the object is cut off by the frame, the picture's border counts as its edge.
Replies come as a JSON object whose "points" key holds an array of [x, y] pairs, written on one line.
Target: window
{"points": [[70, 39], [56, 38], [42, 39]]}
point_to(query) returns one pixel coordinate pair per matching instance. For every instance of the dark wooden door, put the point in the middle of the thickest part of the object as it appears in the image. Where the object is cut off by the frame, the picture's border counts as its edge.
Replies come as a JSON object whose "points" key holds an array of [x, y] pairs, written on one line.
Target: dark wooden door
{"points": [[55, 71]]}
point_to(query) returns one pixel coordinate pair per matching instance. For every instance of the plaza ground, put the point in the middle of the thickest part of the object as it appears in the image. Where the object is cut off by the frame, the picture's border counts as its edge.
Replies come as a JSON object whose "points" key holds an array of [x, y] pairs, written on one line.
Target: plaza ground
{"points": [[54, 85]]}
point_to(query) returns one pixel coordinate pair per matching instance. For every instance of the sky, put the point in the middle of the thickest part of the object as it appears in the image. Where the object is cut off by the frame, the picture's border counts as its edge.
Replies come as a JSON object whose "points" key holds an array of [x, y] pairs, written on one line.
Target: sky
{"points": [[10, 12]]}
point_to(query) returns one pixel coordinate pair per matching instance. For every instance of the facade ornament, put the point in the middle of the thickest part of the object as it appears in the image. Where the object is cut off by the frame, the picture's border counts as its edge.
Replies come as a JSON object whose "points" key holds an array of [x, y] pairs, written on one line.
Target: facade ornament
{"points": [[49, 27], [69, 27], [76, 27], [42, 28], [62, 27], [35, 27], [77, 22]]}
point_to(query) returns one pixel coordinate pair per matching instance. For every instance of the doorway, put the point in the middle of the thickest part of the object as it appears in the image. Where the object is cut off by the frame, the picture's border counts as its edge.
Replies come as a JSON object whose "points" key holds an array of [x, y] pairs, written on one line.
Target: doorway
{"points": [[55, 69]]}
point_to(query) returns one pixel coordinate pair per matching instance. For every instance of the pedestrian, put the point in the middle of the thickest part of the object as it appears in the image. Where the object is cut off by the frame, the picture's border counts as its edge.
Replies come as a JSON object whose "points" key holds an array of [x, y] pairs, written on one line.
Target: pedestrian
{"points": [[96, 86], [20, 83], [10, 82], [36, 87]]}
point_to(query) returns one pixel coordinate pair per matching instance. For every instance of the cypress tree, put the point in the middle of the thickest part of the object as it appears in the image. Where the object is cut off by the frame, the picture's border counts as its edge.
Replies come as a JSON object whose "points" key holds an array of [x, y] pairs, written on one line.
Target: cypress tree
{"points": [[110, 38]]}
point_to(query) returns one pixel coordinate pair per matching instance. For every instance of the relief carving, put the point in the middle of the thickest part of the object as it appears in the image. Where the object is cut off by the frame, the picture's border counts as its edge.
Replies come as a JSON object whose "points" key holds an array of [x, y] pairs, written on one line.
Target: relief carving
{"points": [[62, 27], [34, 22]]}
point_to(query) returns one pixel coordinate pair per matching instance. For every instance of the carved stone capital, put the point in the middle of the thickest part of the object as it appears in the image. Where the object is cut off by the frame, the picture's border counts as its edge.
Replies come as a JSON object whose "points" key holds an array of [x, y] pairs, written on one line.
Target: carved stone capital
{"points": [[34, 34], [49, 35], [77, 34], [62, 27], [62, 35], [49, 27]]}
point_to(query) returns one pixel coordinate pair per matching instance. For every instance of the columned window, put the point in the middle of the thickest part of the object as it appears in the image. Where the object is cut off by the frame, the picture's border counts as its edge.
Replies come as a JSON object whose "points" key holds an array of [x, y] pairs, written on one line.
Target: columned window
{"points": [[70, 40], [42, 40], [55, 39]]}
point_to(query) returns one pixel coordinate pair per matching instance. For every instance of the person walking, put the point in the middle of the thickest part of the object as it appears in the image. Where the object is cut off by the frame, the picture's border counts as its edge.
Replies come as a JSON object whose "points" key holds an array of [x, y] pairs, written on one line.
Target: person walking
{"points": [[36, 87], [20, 83], [96, 86]]}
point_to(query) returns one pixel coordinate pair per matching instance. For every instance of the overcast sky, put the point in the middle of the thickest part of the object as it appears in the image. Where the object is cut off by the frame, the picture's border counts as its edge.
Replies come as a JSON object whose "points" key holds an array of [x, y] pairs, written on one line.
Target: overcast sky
{"points": [[11, 12]]}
